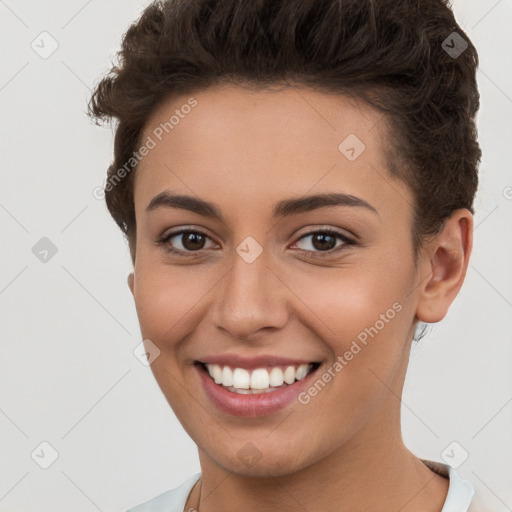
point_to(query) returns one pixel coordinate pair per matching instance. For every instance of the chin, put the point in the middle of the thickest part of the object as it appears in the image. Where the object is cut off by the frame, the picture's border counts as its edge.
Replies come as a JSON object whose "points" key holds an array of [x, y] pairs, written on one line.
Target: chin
{"points": [[251, 462]]}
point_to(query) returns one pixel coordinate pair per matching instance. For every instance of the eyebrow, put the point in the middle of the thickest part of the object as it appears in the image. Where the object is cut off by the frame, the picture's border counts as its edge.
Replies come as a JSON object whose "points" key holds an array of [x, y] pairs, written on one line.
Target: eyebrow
{"points": [[284, 208]]}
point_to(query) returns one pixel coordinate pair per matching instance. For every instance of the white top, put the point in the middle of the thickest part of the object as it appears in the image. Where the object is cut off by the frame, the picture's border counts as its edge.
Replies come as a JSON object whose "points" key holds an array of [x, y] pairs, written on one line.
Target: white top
{"points": [[460, 493]]}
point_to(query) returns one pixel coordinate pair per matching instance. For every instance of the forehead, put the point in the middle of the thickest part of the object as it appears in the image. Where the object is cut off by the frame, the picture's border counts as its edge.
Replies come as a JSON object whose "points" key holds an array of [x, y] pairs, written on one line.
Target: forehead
{"points": [[244, 145]]}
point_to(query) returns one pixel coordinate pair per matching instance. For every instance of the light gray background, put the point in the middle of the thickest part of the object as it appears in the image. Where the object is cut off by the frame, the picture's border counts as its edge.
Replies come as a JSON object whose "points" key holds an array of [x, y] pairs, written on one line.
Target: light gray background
{"points": [[68, 374]]}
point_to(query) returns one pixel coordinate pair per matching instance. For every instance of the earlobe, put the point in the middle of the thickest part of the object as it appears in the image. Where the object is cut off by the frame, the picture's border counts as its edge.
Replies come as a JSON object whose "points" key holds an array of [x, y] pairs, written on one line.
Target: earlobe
{"points": [[130, 281], [447, 265]]}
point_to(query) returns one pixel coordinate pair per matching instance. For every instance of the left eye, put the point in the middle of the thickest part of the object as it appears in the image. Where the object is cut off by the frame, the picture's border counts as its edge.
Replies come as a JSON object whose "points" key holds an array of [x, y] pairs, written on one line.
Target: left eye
{"points": [[325, 241]]}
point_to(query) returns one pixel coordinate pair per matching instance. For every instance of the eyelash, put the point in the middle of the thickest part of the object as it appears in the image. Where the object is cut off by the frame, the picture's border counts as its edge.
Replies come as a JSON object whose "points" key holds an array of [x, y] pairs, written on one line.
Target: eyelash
{"points": [[164, 241]]}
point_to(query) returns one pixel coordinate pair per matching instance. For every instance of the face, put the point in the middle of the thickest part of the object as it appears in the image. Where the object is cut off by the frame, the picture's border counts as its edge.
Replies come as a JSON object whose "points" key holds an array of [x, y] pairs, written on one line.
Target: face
{"points": [[263, 278]]}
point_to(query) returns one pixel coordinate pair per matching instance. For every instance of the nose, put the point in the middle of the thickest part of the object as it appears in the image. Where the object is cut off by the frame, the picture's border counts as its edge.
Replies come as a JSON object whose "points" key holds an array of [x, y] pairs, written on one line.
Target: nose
{"points": [[251, 300]]}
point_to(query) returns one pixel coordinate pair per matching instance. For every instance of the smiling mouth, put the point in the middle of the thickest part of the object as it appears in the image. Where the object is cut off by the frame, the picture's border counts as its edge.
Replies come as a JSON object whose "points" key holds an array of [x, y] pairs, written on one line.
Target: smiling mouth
{"points": [[258, 380]]}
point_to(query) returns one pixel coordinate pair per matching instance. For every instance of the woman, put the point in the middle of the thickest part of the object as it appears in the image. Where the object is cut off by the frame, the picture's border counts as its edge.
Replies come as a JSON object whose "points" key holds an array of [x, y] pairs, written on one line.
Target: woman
{"points": [[295, 181]]}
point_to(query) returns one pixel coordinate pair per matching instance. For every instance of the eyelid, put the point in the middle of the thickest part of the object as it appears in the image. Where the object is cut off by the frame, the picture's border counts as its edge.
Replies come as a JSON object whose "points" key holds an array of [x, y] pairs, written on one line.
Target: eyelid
{"points": [[327, 229]]}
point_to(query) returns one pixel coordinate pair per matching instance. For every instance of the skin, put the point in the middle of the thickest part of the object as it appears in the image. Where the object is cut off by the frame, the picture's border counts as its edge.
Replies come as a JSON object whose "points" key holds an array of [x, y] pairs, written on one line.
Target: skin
{"points": [[244, 150]]}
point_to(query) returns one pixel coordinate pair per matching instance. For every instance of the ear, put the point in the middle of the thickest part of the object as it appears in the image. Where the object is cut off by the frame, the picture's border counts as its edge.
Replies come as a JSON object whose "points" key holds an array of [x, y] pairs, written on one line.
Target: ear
{"points": [[130, 281], [447, 262]]}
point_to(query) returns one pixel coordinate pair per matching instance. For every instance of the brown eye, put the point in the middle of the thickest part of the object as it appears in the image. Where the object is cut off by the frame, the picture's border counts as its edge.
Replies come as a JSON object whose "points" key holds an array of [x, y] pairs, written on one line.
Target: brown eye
{"points": [[325, 241], [184, 241], [192, 241]]}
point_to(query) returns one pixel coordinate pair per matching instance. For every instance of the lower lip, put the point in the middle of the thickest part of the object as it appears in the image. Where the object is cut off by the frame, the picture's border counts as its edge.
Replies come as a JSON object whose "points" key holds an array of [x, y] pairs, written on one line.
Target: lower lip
{"points": [[252, 405]]}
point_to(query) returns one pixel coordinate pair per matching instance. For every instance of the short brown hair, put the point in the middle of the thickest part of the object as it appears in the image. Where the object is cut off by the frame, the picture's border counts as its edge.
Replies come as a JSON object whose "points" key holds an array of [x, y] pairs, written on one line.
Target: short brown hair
{"points": [[393, 54]]}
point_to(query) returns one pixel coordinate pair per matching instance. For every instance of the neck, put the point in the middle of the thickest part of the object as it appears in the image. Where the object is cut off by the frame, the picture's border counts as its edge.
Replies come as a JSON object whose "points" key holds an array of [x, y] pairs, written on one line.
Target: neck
{"points": [[370, 475]]}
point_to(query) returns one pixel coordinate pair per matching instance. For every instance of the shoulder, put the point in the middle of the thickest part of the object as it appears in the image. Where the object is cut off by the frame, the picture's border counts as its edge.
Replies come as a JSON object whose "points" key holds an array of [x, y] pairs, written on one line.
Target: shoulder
{"points": [[459, 497], [460, 492], [171, 501]]}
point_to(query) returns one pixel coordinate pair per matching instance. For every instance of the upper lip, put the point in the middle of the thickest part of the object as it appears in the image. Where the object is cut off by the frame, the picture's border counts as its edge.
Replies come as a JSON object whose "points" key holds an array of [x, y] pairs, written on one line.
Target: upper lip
{"points": [[251, 363]]}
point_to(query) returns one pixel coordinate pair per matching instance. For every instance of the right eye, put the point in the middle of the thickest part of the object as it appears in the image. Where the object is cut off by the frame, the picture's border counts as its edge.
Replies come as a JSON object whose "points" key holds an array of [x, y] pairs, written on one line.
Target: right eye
{"points": [[191, 241]]}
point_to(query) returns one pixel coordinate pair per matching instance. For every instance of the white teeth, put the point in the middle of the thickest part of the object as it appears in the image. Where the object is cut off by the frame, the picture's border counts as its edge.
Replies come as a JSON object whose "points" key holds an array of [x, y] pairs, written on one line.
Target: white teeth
{"points": [[227, 376], [289, 375], [302, 371], [209, 367], [259, 381], [217, 374], [251, 391], [241, 378], [276, 377]]}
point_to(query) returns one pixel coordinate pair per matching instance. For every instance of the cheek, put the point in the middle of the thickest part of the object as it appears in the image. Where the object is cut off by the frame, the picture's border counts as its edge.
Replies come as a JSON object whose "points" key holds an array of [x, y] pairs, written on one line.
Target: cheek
{"points": [[350, 301], [166, 298], [363, 314]]}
